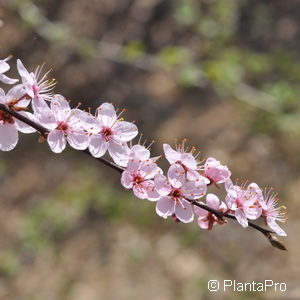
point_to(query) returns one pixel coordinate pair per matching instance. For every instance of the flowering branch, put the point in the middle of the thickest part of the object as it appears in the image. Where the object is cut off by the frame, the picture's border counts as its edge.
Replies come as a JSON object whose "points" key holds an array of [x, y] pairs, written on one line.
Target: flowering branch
{"points": [[176, 194]]}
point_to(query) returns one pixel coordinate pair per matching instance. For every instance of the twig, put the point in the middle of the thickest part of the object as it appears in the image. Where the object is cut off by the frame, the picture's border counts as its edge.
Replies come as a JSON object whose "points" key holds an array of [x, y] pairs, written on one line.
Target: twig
{"points": [[219, 214]]}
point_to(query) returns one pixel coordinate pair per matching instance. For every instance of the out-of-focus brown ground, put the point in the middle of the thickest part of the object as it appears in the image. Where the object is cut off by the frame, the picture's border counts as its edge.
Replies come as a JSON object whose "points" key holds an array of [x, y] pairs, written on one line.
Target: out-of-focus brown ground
{"points": [[67, 228]]}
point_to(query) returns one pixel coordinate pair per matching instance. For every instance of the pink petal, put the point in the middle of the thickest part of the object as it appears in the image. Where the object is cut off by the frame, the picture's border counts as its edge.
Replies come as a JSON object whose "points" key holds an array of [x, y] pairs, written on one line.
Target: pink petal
{"points": [[152, 194], [241, 218], [4, 66], [171, 155], [23, 127], [127, 180], [79, 141], [60, 107], [165, 207], [176, 175], [119, 153], [203, 223], [274, 226], [212, 201], [139, 191], [2, 96], [223, 207], [23, 72], [253, 213], [162, 185], [139, 152], [15, 92], [194, 175], [8, 137], [98, 145], [189, 161], [56, 141], [194, 189], [7, 80], [42, 110], [133, 165], [184, 211], [149, 169], [200, 212], [125, 131], [82, 119], [107, 114]]}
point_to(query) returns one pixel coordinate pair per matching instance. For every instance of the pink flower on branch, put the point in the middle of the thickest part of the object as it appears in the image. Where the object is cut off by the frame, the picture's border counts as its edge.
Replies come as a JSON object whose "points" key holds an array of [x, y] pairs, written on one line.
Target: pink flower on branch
{"points": [[109, 133], [244, 201], [206, 219], [176, 194], [216, 172], [37, 87], [4, 67], [64, 124], [185, 159], [9, 125], [174, 190], [271, 213], [139, 174]]}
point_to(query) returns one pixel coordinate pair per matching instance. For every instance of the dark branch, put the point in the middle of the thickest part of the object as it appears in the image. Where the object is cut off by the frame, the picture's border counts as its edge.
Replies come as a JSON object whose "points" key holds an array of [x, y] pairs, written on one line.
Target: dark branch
{"points": [[220, 215]]}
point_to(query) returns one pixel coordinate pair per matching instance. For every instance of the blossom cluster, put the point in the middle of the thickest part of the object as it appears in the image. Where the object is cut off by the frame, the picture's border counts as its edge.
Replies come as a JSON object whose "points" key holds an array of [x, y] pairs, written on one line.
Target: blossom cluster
{"points": [[178, 193]]}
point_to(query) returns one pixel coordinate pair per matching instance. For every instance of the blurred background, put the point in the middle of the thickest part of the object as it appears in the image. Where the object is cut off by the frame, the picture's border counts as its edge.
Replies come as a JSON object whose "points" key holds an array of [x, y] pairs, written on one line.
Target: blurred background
{"points": [[223, 74]]}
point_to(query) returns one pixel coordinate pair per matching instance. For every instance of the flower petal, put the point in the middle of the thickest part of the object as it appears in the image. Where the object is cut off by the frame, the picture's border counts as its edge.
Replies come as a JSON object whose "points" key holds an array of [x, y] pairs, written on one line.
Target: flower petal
{"points": [[139, 152], [7, 80], [8, 137], [241, 218], [79, 141], [176, 175], [23, 71], [165, 207], [171, 155], [213, 201], [127, 180], [107, 114], [21, 126], [189, 161], [184, 211], [56, 141], [98, 145], [60, 107], [119, 153], [274, 226], [194, 189], [125, 131], [162, 185]]}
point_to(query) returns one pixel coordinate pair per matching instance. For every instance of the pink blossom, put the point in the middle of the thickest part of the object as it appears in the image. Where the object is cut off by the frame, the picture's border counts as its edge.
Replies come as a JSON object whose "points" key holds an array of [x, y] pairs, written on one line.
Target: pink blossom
{"points": [[186, 160], [174, 191], [9, 126], [4, 67], [38, 89], [139, 174], [244, 201], [15, 98], [206, 220], [112, 134], [64, 124], [271, 213], [216, 172]]}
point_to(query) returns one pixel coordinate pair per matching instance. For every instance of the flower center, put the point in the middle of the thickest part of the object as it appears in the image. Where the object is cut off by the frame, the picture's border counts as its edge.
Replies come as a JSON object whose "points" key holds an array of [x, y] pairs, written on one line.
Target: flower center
{"points": [[35, 90], [175, 193], [138, 179], [62, 126], [107, 133], [6, 117]]}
